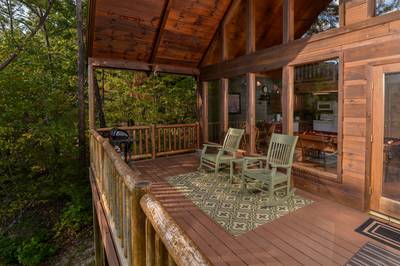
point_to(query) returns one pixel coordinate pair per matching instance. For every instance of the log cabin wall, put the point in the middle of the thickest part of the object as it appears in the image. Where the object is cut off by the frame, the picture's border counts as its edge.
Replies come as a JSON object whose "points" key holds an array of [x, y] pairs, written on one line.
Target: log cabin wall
{"points": [[363, 41]]}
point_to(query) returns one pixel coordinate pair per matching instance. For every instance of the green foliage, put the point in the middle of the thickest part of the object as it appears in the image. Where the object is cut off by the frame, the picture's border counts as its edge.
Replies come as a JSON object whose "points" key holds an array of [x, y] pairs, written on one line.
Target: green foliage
{"points": [[43, 187], [159, 99], [34, 251]]}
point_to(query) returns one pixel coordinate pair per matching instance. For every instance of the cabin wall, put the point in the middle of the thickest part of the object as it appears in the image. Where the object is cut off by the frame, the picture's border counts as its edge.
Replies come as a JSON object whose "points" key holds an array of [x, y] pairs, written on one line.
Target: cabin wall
{"points": [[354, 188], [364, 42]]}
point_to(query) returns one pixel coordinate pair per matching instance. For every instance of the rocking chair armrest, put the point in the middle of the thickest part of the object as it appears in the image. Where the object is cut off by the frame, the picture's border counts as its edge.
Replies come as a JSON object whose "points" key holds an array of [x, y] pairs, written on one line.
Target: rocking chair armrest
{"points": [[212, 146], [206, 146], [254, 159]]}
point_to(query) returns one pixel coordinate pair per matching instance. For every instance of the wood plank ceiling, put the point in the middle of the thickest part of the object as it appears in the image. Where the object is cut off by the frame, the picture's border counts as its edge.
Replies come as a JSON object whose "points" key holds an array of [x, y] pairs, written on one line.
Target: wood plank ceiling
{"points": [[179, 32]]}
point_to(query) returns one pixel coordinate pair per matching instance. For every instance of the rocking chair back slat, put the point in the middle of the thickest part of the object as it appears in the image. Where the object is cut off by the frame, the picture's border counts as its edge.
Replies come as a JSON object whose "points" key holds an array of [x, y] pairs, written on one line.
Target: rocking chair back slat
{"points": [[281, 149], [232, 139]]}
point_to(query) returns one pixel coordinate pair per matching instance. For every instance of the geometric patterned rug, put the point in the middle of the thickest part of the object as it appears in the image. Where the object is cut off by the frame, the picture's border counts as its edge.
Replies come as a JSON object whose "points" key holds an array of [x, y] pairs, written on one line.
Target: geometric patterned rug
{"points": [[237, 212]]}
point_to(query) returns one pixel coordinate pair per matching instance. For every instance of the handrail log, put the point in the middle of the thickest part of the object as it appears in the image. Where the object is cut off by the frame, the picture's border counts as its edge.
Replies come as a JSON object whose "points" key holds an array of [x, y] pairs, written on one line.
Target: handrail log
{"points": [[180, 247]]}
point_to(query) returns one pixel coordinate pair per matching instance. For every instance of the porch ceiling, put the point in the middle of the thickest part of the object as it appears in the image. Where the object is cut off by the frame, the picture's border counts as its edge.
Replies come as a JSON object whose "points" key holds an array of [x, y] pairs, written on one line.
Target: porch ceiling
{"points": [[179, 32]]}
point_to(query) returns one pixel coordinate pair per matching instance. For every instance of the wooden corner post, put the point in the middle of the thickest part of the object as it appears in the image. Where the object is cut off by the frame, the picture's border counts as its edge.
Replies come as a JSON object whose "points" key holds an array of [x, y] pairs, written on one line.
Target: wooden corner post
{"points": [[251, 78], [224, 118], [287, 99], [288, 71], [204, 86], [92, 116]]}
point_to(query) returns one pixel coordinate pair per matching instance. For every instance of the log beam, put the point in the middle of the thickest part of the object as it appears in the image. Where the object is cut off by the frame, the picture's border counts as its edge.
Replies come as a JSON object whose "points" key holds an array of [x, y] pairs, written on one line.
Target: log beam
{"points": [[142, 66], [299, 51]]}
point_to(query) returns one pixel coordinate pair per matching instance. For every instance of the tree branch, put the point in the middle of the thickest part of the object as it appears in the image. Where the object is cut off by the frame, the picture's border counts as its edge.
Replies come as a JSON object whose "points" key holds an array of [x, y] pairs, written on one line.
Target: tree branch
{"points": [[21, 47]]}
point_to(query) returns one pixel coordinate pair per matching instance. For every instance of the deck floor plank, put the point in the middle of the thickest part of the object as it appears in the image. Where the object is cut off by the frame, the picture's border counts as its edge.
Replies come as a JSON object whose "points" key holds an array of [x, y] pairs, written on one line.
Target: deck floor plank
{"points": [[321, 233]]}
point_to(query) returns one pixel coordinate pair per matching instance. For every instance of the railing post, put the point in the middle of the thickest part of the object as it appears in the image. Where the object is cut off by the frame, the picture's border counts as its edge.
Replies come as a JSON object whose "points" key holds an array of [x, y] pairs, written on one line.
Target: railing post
{"points": [[198, 134], [138, 224], [153, 141]]}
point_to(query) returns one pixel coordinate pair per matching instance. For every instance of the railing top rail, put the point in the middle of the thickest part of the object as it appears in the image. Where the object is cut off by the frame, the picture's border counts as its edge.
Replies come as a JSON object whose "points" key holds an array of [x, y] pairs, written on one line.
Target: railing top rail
{"points": [[182, 249], [130, 177], [104, 129], [176, 125]]}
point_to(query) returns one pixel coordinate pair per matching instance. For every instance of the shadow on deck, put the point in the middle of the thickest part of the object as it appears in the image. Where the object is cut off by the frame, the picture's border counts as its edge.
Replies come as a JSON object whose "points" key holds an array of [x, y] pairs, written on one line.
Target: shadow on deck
{"points": [[320, 233]]}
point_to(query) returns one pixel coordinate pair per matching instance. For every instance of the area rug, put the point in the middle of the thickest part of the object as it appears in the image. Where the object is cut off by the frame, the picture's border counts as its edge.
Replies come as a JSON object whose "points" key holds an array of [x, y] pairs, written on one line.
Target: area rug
{"points": [[371, 254], [384, 233], [236, 211]]}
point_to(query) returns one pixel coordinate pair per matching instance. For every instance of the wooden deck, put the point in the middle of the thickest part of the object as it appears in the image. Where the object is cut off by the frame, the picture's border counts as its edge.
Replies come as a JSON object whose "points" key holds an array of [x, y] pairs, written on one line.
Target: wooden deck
{"points": [[319, 234]]}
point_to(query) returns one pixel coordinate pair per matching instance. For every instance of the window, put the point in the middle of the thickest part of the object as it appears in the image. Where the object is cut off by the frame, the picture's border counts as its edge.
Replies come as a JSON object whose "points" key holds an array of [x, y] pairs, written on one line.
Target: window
{"points": [[387, 6], [316, 105]]}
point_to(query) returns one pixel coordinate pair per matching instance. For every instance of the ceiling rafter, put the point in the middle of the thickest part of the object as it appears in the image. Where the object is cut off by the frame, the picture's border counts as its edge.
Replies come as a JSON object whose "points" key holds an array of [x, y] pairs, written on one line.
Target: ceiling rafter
{"points": [[234, 4], [163, 21]]}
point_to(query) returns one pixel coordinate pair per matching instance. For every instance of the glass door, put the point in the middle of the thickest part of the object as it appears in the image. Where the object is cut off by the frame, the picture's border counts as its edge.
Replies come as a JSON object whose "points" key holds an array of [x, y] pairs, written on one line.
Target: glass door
{"points": [[385, 168]]}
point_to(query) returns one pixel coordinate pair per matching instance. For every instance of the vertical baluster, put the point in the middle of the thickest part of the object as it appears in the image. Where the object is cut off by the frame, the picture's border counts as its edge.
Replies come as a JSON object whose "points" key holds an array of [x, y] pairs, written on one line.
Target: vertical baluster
{"points": [[140, 142], [184, 137], [134, 142], [179, 138], [146, 131], [169, 139], [164, 140], [175, 132], [159, 139]]}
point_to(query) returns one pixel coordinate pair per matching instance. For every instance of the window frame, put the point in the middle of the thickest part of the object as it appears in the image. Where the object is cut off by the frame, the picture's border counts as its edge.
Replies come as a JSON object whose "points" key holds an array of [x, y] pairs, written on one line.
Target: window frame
{"points": [[338, 178]]}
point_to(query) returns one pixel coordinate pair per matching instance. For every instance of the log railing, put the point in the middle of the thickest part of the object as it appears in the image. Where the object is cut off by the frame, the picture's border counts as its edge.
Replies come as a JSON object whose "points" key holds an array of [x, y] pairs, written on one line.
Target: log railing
{"points": [[160, 140], [117, 190]]}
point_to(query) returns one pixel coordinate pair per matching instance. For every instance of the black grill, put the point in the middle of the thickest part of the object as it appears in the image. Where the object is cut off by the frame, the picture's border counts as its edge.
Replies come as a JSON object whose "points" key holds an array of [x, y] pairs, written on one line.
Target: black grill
{"points": [[120, 140]]}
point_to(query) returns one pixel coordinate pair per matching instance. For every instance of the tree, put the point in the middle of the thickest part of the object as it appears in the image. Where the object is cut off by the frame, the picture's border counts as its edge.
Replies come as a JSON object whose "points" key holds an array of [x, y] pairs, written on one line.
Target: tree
{"points": [[81, 83]]}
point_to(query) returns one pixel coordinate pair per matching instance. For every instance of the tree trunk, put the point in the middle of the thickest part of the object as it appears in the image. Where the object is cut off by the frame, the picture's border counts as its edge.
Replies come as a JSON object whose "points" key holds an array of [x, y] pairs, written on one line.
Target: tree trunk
{"points": [[81, 84], [99, 104]]}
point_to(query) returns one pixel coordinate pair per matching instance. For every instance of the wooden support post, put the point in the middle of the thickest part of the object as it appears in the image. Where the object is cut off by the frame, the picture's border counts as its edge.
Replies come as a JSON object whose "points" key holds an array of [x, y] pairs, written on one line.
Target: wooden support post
{"points": [[371, 8], [199, 111], [205, 111], [251, 79], [153, 141], [342, 13], [288, 21], [224, 118], [138, 226], [287, 99], [251, 28], [251, 112], [92, 116], [150, 240]]}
